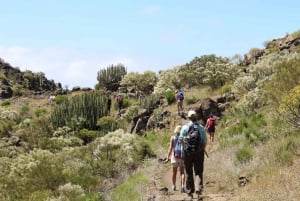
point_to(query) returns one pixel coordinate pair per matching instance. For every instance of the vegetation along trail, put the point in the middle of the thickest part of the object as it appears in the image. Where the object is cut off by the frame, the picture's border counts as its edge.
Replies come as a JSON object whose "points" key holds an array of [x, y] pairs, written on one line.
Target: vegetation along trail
{"points": [[81, 145]]}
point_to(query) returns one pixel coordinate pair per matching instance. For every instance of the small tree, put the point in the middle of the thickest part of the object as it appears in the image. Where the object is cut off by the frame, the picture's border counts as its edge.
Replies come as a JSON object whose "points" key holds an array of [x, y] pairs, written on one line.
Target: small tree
{"points": [[290, 107], [111, 77], [144, 82]]}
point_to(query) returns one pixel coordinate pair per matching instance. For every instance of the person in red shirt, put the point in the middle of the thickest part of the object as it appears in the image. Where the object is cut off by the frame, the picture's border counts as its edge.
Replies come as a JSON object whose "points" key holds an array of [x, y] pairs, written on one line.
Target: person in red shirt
{"points": [[211, 127]]}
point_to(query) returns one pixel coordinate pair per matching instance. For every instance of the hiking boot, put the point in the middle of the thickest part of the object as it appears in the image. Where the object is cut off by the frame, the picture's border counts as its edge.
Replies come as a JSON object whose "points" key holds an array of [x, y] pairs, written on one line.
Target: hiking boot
{"points": [[198, 192], [190, 195], [173, 187]]}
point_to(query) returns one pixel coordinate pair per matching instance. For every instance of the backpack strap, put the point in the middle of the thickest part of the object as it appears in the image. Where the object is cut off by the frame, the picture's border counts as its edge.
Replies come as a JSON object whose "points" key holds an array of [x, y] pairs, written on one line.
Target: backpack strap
{"points": [[175, 140], [191, 126]]}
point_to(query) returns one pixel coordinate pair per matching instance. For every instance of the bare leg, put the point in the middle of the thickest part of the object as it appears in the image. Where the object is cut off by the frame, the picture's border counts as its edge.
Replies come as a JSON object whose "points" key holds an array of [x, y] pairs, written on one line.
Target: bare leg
{"points": [[182, 178], [212, 136], [174, 175]]}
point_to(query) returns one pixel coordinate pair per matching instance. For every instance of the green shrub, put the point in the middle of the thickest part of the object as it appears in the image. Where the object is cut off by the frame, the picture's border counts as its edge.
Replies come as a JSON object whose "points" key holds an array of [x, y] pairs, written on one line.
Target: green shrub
{"points": [[230, 141], [252, 126], [60, 99], [226, 88], [157, 140], [107, 124], [39, 167], [140, 82], [244, 154], [5, 103], [190, 100], [170, 96], [10, 114], [149, 102], [289, 107], [254, 51], [144, 150], [25, 109], [92, 197], [296, 34], [272, 47], [6, 127], [128, 116], [87, 135], [18, 91], [128, 191], [40, 195], [286, 152], [81, 174], [284, 157], [40, 111], [236, 130], [286, 78], [126, 102], [35, 131]]}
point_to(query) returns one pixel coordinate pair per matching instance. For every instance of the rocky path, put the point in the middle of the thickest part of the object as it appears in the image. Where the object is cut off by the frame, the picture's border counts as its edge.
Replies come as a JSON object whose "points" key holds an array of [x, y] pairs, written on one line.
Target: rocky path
{"points": [[161, 185]]}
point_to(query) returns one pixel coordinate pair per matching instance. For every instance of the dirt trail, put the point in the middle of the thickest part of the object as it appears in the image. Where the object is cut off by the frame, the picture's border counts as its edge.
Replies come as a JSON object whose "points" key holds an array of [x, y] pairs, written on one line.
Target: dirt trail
{"points": [[161, 190]]}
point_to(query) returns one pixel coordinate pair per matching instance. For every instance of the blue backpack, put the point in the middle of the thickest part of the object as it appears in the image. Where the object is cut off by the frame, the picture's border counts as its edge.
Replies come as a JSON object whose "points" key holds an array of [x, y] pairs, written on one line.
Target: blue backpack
{"points": [[181, 96], [178, 148]]}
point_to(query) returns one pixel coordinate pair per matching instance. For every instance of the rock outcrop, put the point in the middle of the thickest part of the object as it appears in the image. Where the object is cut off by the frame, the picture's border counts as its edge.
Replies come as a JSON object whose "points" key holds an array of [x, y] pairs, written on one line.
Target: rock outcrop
{"points": [[14, 81]]}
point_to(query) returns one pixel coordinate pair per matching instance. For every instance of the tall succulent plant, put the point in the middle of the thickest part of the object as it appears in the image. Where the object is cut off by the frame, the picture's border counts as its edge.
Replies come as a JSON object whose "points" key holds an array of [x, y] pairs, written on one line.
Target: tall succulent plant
{"points": [[89, 106]]}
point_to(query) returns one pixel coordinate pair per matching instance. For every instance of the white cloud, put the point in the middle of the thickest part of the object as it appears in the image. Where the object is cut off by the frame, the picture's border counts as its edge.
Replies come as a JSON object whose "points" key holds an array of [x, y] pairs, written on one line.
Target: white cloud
{"points": [[68, 66]]}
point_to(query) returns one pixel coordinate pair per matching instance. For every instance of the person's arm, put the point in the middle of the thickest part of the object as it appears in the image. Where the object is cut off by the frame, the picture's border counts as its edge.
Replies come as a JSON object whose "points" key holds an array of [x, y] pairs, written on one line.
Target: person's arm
{"points": [[169, 149], [203, 136], [206, 125]]}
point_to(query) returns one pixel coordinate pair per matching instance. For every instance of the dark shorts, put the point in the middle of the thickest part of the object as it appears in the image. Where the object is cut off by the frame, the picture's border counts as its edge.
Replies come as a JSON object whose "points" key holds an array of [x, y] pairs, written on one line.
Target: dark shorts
{"points": [[211, 129]]}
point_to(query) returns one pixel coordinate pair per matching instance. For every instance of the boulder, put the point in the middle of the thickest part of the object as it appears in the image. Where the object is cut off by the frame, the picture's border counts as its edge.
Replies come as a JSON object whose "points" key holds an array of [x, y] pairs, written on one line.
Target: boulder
{"points": [[139, 122], [76, 88], [159, 120], [6, 92], [86, 89], [204, 108]]}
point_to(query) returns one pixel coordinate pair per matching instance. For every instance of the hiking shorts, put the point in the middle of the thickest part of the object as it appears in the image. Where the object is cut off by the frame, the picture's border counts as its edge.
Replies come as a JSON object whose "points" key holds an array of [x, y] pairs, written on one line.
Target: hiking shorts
{"points": [[211, 129], [179, 102], [177, 162]]}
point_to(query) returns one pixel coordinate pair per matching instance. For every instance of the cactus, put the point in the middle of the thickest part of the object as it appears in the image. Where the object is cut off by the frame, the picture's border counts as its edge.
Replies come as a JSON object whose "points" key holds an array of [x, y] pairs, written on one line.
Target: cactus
{"points": [[89, 106], [111, 77]]}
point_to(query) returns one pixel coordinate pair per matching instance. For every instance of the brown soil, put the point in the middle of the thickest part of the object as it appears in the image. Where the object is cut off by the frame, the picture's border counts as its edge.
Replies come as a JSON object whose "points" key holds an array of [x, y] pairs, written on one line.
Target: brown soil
{"points": [[160, 189]]}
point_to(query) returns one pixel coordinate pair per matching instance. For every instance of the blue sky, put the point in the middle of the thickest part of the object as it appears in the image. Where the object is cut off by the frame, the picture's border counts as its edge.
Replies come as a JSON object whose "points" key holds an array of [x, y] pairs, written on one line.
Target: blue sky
{"points": [[71, 40]]}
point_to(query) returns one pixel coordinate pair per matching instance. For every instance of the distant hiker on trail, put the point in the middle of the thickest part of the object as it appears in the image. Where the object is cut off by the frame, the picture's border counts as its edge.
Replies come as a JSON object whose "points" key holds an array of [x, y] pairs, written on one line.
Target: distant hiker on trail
{"points": [[51, 99], [119, 102], [194, 140], [211, 127], [175, 151], [179, 99]]}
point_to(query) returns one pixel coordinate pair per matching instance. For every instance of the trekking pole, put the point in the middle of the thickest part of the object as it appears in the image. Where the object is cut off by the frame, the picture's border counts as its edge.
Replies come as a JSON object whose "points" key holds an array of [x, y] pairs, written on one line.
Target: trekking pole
{"points": [[206, 154]]}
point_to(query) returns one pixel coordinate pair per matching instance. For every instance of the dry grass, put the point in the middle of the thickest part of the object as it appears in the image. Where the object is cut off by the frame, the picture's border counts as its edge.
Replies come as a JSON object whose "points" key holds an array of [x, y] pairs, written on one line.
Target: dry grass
{"points": [[266, 179], [274, 183], [200, 93]]}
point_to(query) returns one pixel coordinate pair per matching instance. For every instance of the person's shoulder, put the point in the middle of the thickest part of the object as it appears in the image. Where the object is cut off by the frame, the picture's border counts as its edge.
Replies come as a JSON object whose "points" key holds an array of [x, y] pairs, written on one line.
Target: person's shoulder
{"points": [[185, 126], [199, 125]]}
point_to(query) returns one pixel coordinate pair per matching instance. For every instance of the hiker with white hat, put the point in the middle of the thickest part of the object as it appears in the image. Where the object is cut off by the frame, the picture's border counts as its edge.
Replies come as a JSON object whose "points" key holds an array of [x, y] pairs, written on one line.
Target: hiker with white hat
{"points": [[193, 138]]}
